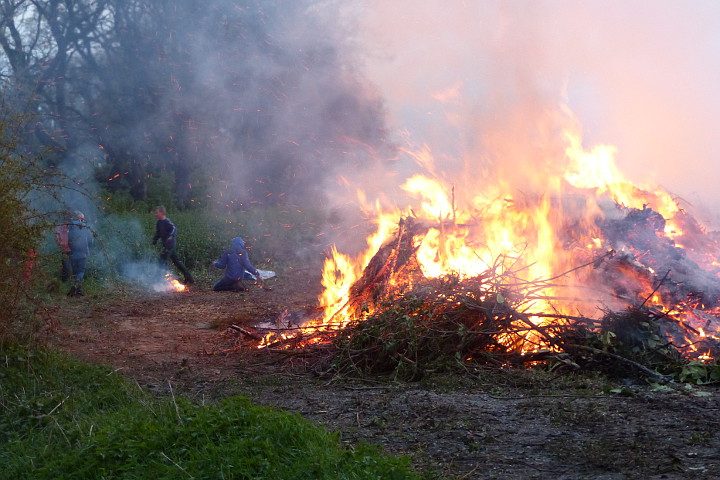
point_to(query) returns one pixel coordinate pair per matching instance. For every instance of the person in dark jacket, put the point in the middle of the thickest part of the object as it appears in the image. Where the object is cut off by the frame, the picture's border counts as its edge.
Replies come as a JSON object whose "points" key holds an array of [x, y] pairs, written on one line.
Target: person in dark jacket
{"points": [[236, 261], [79, 239], [166, 232]]}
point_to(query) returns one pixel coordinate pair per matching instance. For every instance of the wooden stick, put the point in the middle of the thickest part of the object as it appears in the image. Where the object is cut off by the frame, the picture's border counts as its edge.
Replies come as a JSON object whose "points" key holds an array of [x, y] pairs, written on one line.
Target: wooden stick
{"points": [[245, 332], [655, 289]]}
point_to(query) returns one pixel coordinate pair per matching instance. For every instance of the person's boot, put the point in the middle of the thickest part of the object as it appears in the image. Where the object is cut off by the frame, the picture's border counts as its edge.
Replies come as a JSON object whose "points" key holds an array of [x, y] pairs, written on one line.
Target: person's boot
{"points": [[189, 280], [72, 292], [79, 291]]}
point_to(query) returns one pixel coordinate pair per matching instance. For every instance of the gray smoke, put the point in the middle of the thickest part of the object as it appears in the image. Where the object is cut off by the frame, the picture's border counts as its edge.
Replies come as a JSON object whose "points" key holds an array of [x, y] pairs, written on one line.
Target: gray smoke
{"points": [[474, 80]]}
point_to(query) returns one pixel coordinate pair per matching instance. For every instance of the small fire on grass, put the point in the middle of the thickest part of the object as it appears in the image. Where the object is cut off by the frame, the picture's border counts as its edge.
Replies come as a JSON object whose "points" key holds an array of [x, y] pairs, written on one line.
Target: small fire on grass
{"points": [[169, 284]]}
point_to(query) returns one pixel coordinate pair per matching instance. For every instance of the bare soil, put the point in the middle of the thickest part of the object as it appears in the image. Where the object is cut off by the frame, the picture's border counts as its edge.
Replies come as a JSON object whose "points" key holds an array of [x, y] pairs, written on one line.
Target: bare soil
{"points": [[485, 424]]}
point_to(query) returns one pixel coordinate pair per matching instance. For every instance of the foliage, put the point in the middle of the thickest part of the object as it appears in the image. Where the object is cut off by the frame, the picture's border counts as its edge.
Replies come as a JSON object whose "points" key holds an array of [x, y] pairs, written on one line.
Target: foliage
{"points": [[20, 231], [122, 251], [272, 234], [433, 327], [627, 343], [700, 373], [62, 419], [158, 191]]}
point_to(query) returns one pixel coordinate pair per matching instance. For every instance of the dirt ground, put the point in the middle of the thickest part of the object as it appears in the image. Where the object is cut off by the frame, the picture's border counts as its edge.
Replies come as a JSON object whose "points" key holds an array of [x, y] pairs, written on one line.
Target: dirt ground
{"points": [[487, 424]]}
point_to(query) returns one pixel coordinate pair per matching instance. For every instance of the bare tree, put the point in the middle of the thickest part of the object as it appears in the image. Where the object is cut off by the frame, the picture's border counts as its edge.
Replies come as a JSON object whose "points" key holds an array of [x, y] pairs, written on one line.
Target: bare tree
{"points": [[260, 95], [41, 40]]}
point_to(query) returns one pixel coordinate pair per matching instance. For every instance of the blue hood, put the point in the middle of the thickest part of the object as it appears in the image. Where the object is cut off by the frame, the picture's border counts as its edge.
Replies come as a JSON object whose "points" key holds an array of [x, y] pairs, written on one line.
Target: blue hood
{"points": [[238, 244]]}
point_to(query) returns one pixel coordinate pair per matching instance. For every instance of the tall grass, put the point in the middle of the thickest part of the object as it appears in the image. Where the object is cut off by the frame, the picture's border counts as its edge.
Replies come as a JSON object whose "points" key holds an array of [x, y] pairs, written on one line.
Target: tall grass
{"points": [[276, 237], [63, 419], [273, 234]]}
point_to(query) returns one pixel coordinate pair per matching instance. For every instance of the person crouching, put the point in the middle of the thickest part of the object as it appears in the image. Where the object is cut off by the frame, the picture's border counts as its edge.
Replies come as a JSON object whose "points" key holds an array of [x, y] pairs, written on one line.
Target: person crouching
{"points": [[236, 261]]}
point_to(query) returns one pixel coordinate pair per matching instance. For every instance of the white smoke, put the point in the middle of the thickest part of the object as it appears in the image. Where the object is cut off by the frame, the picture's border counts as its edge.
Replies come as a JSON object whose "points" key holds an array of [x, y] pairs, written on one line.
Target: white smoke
{"points": [[639, 75], [148, 275]]}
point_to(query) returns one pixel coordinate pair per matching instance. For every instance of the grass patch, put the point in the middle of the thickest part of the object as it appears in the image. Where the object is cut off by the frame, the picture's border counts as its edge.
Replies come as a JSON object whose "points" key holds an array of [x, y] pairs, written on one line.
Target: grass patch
{"points": [[64, 419], [272, 234]]}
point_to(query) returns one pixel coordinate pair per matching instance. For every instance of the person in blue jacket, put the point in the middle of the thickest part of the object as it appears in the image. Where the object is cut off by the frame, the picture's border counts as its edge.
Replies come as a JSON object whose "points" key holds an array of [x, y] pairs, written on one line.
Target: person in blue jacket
{"points": [[80, 239], [236, 261]]}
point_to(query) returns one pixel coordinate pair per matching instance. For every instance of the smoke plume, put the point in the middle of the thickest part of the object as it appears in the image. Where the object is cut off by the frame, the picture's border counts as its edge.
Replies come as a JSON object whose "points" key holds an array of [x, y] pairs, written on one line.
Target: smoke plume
{"points": [[487, 84]]}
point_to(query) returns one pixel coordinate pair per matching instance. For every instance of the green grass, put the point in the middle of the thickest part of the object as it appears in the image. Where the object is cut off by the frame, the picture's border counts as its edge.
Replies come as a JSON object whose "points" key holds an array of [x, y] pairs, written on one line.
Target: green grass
{"points": [[272, 233], [64, 419]]}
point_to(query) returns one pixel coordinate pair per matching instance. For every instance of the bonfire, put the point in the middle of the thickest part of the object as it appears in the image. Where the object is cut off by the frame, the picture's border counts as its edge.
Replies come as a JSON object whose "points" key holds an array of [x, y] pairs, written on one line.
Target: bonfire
{"points": [[599, 266]]}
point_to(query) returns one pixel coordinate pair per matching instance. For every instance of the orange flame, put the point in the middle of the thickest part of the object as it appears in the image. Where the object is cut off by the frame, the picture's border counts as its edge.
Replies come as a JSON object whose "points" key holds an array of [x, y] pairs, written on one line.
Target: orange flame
{"points": [[169, 284], [543, 235], [176, 286]]}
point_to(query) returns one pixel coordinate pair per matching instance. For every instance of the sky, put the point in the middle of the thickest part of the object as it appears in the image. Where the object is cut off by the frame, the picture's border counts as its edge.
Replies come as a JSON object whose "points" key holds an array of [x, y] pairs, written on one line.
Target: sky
{"points": [[473, 80]]}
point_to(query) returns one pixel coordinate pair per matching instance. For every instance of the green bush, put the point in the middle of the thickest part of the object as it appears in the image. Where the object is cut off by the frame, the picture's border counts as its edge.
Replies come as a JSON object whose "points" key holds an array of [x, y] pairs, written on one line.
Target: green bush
{"points": [[62, 419], [20, 231]]}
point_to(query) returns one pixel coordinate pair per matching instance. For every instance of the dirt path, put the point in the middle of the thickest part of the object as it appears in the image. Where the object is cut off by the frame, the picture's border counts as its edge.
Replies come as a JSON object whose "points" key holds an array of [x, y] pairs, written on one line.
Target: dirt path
{"points": [[488, 424]]}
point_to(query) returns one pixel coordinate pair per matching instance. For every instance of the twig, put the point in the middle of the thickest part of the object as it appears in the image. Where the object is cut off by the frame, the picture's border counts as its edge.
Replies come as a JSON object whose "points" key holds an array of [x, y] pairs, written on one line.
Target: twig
{"points": [[655, 289], [245, 332], [56, 406], [305, 350], [664, 379], [304, 327], [172, 394], [526, 319], [178, 466], [569, 317], [609, 253]]}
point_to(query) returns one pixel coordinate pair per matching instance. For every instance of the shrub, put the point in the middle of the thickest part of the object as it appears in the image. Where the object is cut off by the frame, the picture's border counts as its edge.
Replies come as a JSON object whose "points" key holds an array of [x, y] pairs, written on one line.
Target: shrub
{"points": [[20, 231]]}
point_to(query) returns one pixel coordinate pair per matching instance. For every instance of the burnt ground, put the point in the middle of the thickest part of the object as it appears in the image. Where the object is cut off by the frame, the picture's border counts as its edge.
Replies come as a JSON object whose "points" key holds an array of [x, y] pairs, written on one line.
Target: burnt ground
{"points": [[484, 424]]}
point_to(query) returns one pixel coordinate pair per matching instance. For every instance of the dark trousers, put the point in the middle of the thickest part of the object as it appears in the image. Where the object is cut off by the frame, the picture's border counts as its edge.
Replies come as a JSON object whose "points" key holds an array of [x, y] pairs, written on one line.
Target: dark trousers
{"points": [[172, 255], [78, 269], [65, 267], [227, 284]]}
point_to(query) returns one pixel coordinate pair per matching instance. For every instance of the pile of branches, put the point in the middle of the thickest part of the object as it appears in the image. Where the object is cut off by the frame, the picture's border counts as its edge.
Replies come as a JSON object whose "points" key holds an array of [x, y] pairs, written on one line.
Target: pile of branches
{"points": [[449, 325], [443, 324], [446, 323]]}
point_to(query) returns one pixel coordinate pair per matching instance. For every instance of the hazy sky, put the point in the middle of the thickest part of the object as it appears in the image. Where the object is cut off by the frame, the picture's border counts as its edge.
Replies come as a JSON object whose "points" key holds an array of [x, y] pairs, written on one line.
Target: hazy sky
{"points": [[643, 76]]}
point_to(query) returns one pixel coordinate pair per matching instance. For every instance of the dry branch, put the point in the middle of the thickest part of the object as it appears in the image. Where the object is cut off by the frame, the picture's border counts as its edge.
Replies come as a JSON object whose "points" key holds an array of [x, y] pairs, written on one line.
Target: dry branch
{"points": [[245, 332]]}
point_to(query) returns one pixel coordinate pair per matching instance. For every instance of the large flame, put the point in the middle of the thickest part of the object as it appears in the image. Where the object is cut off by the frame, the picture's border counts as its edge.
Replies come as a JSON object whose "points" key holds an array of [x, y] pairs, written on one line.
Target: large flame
{"points": [[501, 230]]}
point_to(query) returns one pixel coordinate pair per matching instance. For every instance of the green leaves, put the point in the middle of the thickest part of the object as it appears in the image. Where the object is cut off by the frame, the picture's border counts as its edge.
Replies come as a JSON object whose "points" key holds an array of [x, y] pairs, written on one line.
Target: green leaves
{"points": [[21, 229], [700, 373]]}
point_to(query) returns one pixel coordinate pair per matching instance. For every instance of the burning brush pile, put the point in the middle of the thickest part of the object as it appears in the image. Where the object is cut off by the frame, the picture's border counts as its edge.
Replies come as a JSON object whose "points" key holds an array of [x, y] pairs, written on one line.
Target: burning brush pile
{"points": [[497, 317], [601, 274]]}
